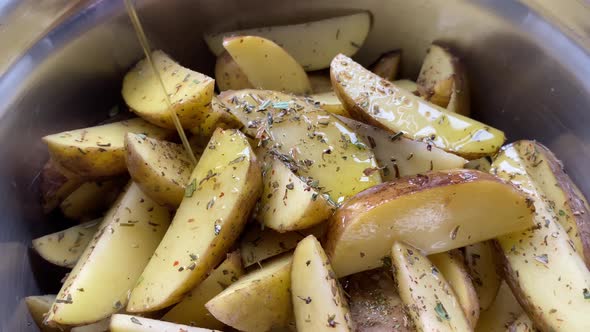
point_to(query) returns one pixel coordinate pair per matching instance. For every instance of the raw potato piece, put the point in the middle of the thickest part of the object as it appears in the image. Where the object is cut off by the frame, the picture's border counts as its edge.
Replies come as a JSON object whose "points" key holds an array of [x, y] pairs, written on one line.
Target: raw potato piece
{"points": [[482, 164], [128, 323], [541, 265], [312, 44], [100, 326], [190, 92], [522, 324], [503, 311], [98, 285], [98, 151], [222, 190], [229, 75], [328, 101], [191, 310], [39, 306], [482, 262], [443, 80], [399, 156], [56, 184], [451, 265], [64, 248], [259, 301], [91, 198], [371, 99], [430, 300], [387, 65], [161, 169], [217, 117], [407, 85], [318, 300], [280, 71], [258, 244], [311, 141], [288, 203]]}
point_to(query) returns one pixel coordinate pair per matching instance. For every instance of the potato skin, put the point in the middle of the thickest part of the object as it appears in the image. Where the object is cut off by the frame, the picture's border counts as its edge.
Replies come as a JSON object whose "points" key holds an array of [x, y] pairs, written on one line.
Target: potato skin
{"points": [[56, 184]]}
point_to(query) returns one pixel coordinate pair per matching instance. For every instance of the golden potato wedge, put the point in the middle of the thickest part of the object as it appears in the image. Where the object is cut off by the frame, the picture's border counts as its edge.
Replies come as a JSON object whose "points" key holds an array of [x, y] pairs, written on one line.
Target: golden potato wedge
{"points": [[98, 151], [98, 285], [503, 311], [39, 306], [320, 81], [312, 44], [190, 92], [482, 262], [222, 190], [375, 305], [387, 66], [191, 310], [100, 326], [522, 324], [452, 266], [443, 80], [311, 141], [430, 300], [229, 75], [56, 184], [217, 117], [398, 156], [64, 248], [258, 243], [482, 164], [318, 300], [328, 101], [434, 212], [92, 198], [541, 265], [371, 99], [280, 71], [161, 169], [128, 323], [259, 301], [407, 85]]}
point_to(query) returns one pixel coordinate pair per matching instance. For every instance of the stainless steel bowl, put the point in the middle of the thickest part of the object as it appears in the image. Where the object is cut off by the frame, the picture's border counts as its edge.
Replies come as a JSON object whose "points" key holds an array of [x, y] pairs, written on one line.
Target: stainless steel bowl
{"points": [[528, 77]]}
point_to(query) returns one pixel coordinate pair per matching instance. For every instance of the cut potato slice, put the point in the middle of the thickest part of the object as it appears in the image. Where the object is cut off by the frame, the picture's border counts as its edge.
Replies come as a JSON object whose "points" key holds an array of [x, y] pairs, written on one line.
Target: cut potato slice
{"points": [[434, 212], [328, 101], [398, 156], [431, 302], [451, 265], [98, 151], [128, 323], [229, 75], [259, 301], [522, 324], [100, 326], [387, 66], [280, 71], [379, 102], [161, 169], [312, 44], [541, 265], [443, 80], [320, 81], [217, 117], [64, 248], [92, 198], [318, 299], [222, 191], [407, 85], [56, 184], [258, 244], [191, 310], [99, 284], [312, 142], [190, 92], [482, 262], [38, 307], [375, 305], [482, 164], [503, 311]]}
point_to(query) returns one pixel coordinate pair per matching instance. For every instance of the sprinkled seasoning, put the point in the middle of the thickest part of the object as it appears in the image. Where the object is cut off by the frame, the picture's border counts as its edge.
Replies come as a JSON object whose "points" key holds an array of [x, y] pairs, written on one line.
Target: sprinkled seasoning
{"points": [[211, 203], [331, 321], [586, 293], [441, 311], [190, 189], [542, 258], [396, 136], [135, 321], [284, 105]]}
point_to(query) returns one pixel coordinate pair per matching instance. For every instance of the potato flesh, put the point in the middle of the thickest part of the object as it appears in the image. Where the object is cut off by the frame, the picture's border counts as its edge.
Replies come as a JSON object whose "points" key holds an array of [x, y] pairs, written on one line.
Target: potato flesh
{"points": [[379, 102], [190, 92], [318, 300], [223, 189], [229, 75], [56, 184], [522, 324], [541, 265], [321, 147], [91, 199], [434, 212], [431, 302], [109, 267], [407, 85], [482, 164], [329, 102], [258, 244], [38, 306], [312, 44], [503, 311], [482, 264], [387, 66], [128, 323], [217, 117]]}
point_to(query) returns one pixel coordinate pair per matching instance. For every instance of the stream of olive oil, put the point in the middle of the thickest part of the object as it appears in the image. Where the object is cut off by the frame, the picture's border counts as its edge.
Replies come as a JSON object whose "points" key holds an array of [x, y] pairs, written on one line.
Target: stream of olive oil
{"points": [[139, 32]]}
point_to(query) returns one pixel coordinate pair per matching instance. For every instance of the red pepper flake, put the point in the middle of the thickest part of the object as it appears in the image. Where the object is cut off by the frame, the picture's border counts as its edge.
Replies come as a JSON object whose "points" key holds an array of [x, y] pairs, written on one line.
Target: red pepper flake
{"points": [[175, 263]]}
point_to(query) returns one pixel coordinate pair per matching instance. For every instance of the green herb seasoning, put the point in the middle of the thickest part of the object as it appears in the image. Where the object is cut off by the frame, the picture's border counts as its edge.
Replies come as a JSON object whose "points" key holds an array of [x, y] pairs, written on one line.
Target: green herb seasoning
{"points": [[441, 311], [190, 189]]}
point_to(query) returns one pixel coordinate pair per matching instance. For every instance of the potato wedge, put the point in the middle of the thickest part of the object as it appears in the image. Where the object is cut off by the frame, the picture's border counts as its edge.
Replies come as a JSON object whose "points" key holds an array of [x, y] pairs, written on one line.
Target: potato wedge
{"points": [[100, 326], [371, 99], [375, 305], [434, 212], [92, 198], [280, 71], [229, 75], [443, 80], [222, 190], [98, 151], [312, 44], [430, 300], [315, 144], [482, 164], [190, 92], [259, 301], [328, 101], [56, 184], [482, 262], [258, 244], [109, 267], [451, 265], [399, 156], [191, 310], [39, 306], [503, 311], [128, 323], [161, 169], [318, 300], [217, 117], [64, 248], [522, 324], [407, 85], [541, 265], [320, 81], [387, 66]]}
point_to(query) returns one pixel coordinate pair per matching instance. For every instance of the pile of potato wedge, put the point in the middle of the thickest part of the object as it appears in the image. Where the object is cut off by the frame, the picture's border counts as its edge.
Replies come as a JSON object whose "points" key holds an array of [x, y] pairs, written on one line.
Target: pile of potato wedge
{"points": [[326, 197]]}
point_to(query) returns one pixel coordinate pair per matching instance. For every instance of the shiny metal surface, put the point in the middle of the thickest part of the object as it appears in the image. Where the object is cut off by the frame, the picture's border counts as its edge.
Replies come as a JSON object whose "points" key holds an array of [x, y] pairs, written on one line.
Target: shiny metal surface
{"points": [[527, 78]]}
